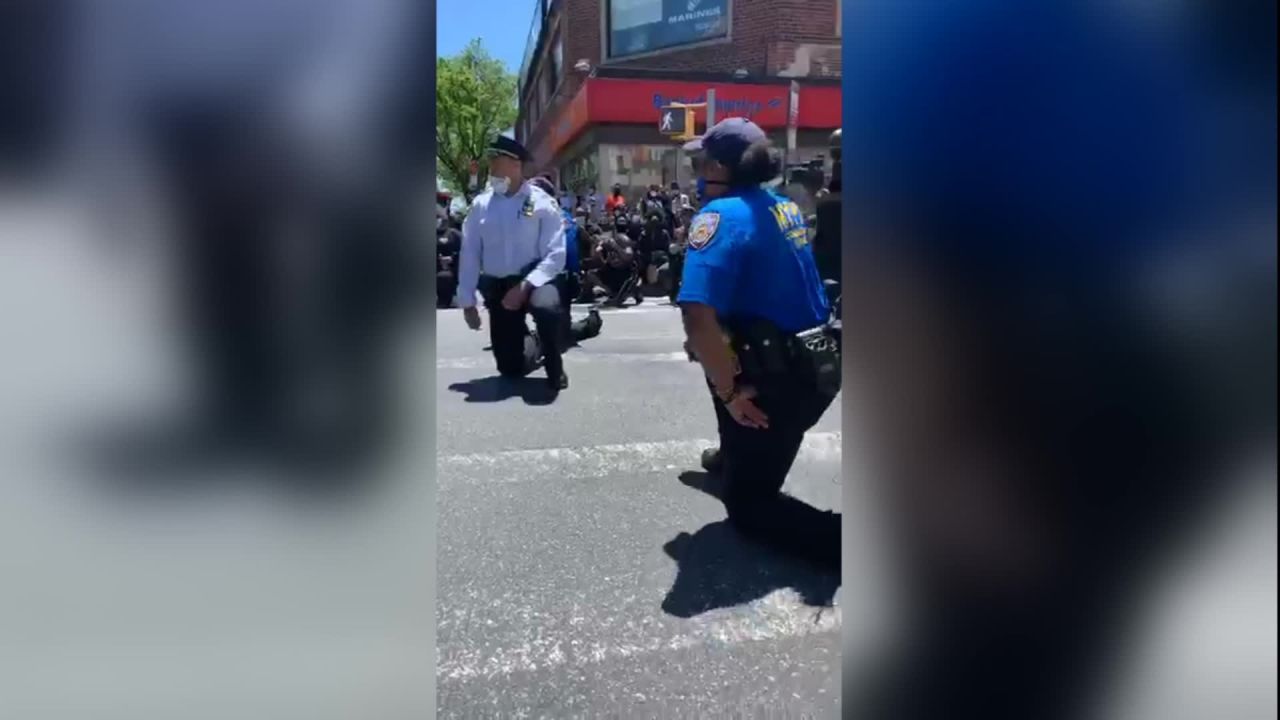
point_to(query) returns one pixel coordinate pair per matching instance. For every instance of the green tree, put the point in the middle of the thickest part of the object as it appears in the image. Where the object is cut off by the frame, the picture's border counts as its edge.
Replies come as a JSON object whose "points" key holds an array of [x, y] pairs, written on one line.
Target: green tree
{"points": [[475, 100]]}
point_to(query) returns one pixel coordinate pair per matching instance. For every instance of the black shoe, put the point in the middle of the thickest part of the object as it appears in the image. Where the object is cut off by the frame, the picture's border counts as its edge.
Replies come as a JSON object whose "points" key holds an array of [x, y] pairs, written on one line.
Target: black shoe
{"points": [[559, 382], [712, 460]]}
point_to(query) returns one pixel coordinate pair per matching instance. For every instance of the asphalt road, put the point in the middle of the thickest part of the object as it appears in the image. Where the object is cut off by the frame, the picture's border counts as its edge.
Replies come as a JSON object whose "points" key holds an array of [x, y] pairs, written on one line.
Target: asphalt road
{"points": [[580, 576]]}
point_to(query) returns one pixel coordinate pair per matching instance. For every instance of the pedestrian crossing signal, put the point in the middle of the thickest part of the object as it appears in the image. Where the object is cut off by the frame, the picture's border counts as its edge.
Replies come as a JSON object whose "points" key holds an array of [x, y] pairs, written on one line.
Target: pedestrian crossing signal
{"points": [[675, 121]]}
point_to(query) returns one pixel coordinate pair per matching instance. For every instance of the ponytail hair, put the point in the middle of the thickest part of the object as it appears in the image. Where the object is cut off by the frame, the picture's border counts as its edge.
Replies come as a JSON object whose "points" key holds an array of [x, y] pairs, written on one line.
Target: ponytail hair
{"points": [[759, 164]]}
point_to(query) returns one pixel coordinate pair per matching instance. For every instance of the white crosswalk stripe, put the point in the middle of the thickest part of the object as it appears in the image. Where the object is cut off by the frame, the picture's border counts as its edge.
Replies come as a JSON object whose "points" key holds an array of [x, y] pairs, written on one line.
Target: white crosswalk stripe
{"points": [[573, 358], [600, 460], [779, 615], [580, 311]]}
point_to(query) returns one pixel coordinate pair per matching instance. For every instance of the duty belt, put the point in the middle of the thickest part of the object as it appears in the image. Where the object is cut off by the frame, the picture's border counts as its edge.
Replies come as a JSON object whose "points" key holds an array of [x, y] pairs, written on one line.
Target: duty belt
{"points": [[765, 351]]}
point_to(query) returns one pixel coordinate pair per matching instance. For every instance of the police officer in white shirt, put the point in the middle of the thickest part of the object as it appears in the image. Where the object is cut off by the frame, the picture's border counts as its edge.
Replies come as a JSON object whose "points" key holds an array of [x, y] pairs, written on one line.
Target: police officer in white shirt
{"points": [[513, 252]]}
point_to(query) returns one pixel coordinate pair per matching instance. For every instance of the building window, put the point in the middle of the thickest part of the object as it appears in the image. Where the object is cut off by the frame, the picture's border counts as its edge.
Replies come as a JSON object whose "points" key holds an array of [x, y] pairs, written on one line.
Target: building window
{"points": [[557, 57], [543, 94], [581, 174], [636, 27]]}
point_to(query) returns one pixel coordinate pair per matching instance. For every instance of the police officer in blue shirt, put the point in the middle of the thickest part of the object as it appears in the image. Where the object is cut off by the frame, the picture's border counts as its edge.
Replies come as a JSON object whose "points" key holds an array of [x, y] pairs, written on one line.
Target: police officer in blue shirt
{"points": [[756, 316], [571, 333]]}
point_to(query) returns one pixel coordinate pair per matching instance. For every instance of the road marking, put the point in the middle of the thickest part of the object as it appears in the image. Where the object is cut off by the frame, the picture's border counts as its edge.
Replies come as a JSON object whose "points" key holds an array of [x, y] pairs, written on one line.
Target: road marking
{"points": [[671, 338], [601, 460], [777, 616], [637, 310], [581, 310], [574, 357]]}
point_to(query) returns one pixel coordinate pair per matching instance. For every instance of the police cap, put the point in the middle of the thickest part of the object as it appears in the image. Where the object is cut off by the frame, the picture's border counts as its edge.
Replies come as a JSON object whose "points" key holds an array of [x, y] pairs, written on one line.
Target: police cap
{"points": [[503, 145], [725, 141]]}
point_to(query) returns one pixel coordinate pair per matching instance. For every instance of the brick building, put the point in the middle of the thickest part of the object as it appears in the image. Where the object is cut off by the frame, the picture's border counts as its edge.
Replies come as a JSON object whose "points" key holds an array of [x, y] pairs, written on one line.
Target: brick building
{"points": [[596, 72]]}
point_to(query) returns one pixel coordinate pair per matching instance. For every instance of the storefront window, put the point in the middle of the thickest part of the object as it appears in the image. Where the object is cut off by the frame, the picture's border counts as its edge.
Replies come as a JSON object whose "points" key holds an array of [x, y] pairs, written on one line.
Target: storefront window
{"points": [[580, 174], [642, 26], [635, 167]]}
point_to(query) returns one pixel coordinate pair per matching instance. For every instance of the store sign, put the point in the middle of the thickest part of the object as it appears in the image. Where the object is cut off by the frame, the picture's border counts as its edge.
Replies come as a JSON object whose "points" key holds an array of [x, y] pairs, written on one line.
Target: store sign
{"points": [[642, 26], [638, 102], [742, 104], [627, 101]]}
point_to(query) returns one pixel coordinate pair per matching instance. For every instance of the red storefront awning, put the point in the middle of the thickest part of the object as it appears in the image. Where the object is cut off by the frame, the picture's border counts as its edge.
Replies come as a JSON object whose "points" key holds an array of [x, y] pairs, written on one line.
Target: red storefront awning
{"points": [[626, 101]]}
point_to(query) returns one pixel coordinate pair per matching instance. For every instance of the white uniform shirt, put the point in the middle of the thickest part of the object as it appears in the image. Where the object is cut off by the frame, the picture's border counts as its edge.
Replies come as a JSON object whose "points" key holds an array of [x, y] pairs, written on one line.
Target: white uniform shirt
{"points": [[502, 235]]}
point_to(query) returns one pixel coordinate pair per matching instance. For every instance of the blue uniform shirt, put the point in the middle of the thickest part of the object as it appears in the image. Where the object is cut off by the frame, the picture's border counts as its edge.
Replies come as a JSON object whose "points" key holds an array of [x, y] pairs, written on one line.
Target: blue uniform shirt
{"points": [[749, 258], [571, 263]]}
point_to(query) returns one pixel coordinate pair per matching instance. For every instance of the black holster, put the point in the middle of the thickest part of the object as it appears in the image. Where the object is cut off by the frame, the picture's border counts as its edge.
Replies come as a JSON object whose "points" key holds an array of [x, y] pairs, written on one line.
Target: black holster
{"points": [[767, 354]]}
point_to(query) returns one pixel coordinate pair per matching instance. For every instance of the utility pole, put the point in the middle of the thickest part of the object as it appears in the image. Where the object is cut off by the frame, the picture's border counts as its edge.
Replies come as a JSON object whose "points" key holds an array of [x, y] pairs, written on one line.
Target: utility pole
{"points": [[793, 121]]}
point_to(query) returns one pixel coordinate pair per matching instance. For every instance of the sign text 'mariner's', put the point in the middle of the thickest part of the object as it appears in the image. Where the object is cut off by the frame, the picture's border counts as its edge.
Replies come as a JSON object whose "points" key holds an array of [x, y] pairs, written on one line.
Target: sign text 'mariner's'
{"points": [[695, 15]]}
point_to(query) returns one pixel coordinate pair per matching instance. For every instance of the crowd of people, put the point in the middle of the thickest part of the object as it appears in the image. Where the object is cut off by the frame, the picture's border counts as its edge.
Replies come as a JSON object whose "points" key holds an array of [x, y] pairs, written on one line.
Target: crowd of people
{"points": [[620, 249], [626, 248]]}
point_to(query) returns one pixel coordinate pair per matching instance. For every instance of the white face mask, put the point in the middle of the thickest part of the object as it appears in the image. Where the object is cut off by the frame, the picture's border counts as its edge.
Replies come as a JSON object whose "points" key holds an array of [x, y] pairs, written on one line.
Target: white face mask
{"points": [[499, 184]]}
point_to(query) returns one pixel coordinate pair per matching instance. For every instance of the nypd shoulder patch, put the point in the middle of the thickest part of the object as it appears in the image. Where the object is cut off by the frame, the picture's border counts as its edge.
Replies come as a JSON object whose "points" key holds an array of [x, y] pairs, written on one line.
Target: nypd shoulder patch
{"points": [[703, 229]]}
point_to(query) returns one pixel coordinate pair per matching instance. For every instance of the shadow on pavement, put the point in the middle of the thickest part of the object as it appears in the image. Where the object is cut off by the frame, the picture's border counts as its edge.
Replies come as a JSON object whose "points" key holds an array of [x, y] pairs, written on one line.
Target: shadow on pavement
{"points": [[719, 568], [496, 388]]}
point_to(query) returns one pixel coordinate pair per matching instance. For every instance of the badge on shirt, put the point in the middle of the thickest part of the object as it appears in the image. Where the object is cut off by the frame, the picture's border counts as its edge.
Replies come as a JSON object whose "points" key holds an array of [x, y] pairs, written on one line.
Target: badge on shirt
{"points": [[527, 209], [703, 229]]}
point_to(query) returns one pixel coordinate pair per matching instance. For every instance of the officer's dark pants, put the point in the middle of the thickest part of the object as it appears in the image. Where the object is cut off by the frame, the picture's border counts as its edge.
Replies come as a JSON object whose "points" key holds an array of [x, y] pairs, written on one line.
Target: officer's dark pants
{"points": [[676, 263], [446, 287], [507, 328], [568, 291], [756, 466]]}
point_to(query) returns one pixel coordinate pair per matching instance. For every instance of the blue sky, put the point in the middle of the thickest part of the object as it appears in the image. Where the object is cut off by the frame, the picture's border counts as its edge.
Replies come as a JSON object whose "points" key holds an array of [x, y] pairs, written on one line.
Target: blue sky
{"points": [[503, 26]]}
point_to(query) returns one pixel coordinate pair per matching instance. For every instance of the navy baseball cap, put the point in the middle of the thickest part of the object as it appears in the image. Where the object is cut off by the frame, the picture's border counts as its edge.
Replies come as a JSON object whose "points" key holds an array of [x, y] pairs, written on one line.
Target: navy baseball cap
{"points": [[725, 141]]}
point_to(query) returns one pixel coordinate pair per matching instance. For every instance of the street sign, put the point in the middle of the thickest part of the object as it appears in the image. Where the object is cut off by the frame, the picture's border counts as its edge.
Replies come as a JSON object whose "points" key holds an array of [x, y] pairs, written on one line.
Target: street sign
{"points": [[671, 120]]}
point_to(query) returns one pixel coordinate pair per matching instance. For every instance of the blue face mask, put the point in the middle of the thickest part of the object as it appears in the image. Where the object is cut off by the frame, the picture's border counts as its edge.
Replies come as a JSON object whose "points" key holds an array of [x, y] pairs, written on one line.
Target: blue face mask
{"points": [[702, 184]]}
